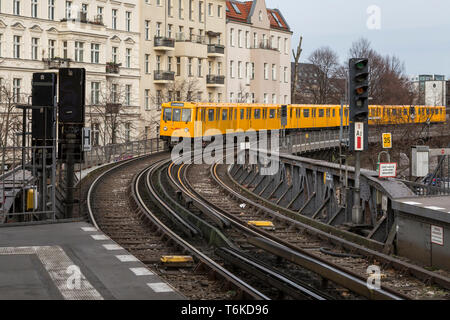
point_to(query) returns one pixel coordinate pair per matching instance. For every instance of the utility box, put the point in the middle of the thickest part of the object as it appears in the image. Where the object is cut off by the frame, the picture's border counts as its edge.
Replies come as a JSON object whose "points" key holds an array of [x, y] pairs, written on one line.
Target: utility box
{"points": [[420, 161]]}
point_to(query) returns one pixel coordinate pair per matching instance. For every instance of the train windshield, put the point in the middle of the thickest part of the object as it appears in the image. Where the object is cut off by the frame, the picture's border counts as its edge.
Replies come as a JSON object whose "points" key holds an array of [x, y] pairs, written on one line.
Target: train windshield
{"points": [[176, 115], [186, 116], [167, 114]]}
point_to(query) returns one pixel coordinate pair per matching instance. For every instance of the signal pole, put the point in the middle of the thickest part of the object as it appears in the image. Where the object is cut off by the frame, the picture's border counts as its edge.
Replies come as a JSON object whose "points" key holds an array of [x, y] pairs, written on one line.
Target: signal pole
{"points": [[359, 125]]}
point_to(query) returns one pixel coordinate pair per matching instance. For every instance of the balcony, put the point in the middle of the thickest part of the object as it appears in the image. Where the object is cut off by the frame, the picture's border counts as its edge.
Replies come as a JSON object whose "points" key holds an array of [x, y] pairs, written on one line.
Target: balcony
{"points": [[213, 81], [112, 69], [216, 50], [265, 46], [164, 44], [83, 18], [56, 63], [163, 77]]}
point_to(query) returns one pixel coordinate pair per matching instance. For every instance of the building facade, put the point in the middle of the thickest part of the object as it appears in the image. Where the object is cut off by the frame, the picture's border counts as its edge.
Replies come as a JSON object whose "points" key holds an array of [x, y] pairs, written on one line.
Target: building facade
{"points": [[258, 54], [430, 89], [100, 36], [182, 54]]}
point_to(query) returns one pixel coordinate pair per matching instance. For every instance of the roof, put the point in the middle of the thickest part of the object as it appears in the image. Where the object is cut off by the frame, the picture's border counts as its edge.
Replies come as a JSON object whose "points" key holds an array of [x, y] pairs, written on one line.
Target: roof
{"points": [[242, 11]]}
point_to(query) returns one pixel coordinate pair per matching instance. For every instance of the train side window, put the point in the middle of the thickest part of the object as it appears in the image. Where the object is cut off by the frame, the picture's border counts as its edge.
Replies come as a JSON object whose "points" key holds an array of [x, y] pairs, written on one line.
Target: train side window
{"points": [[257, 114], [272, 114], [394, 112], [321, 113], [249, 114], [291, 112], [235, 114], [306, 113], [230, 114], [167, 114], [242, 114], [211, 115], [176, 115], [224, 115], [405, 112], [334, 113], [218, 115], [186, 115], [328, 113]]}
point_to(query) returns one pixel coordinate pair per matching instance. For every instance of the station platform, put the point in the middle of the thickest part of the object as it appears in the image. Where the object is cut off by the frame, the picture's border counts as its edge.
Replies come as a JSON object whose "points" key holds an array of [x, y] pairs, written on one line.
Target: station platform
{"points": [[73, 261]]}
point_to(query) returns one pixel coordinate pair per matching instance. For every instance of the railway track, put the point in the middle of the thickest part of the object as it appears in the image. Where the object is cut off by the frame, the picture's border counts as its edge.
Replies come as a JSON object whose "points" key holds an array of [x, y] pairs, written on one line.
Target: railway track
{"points": [[119, 204], [296, 245]]}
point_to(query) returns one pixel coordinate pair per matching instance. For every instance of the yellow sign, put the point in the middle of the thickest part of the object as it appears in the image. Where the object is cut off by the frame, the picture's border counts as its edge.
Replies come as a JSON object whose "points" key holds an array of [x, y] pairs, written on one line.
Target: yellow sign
{"points": [[387, 141]]}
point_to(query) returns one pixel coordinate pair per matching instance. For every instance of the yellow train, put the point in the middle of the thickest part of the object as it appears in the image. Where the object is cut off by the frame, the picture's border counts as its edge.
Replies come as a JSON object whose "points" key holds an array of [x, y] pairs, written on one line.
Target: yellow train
{"points": [[198, 120]]}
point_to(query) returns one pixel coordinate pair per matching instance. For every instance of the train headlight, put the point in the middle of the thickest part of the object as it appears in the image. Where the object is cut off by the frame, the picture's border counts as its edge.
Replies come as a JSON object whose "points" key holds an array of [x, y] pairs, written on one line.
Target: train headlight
{"points": [[186, 130], [165, 129]]}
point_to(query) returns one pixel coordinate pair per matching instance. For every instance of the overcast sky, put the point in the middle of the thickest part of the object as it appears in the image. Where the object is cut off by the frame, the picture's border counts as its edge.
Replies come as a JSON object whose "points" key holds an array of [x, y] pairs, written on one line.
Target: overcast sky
{"points": [[417, 31]]}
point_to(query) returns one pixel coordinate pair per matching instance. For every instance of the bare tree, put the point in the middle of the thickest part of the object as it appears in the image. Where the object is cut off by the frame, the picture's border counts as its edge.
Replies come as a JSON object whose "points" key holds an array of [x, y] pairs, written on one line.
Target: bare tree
{"points": [[320, 85], [111, 111], [10, 122]]}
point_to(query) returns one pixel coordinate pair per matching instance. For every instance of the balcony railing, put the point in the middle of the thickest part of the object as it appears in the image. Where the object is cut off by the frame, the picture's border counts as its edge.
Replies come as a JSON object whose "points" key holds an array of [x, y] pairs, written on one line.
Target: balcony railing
{"points": [[160, 75], [164, 42], [266, 46], [216, 48], [56, 63], [83, 18], [181, 37], [213, 79], [113, 68]]}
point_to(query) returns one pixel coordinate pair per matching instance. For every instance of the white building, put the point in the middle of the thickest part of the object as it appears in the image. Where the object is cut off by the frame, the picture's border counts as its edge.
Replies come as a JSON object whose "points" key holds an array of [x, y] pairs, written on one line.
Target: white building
{"points": [[43, 35], [258, 54]]}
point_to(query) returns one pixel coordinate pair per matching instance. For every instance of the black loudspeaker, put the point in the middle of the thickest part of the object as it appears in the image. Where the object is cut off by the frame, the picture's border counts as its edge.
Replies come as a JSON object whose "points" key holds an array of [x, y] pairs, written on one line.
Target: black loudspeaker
{"points": [[43, 95], [72, 94]]}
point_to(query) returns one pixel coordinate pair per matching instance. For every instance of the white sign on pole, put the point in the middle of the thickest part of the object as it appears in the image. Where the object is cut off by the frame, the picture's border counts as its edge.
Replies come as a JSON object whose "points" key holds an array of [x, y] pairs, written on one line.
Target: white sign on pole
{"points": [[388, 170], [87, 146], [359, 136], [437, 235]]}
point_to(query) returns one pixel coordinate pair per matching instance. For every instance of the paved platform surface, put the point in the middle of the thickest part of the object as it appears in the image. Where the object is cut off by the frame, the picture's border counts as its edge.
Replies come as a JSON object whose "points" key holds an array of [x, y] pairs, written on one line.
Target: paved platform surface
{"points": [[436, 208], [73, 261]]}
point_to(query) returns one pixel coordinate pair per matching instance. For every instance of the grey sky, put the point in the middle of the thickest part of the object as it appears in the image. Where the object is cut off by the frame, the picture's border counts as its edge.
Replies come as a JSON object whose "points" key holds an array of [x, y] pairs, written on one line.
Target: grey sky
{"points": [[417, 31]]}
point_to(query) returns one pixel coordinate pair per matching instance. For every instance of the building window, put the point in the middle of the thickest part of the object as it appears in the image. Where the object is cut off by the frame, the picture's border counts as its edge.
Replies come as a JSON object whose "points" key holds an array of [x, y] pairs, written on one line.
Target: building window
{"points": [[51, 9], [200, 62], [190, 67], [114, 54], [79, 50], [1, 38], [114, 19], [127, 132], [128, 94], [180, 9], [240, 69], [158, 29], [219, 68], [17, 41], [169, 8], [219, 97], [114, 93], [231, 69], [240, 38], [146, 63], [274, 72], [95, 132], [51, 48], [68, 10], [266, 71], [178, 66], [169, 64], [266, 98], [200, 11], [232, 37], [65, 50], [274, 99], [128, 20], [16, 89], [16, 8], [191, 10], [128, 58], [147, 99], [95, 93], [95, 53], [34, 48], [253, 71], [147, 30], [285, 74], [219, 11], [255, 40]]}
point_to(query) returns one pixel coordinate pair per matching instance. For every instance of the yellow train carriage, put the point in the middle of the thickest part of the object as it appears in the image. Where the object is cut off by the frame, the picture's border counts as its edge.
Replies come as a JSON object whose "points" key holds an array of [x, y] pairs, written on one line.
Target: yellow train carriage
{"points": [[197, 120]]}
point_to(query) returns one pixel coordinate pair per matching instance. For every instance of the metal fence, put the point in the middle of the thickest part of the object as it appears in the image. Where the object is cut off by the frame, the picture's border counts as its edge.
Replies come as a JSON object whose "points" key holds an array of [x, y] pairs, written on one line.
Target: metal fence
{"points": [[29, 193], [313, 141]]}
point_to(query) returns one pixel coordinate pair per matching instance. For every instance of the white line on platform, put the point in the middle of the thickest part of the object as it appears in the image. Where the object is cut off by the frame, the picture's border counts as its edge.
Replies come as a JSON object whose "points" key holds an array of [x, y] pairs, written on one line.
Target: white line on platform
{"points": [[89, 229], [141, 272], [127, 258], [112, 247], [99, 237], [66, 276], [411, 203], [160, 287]]}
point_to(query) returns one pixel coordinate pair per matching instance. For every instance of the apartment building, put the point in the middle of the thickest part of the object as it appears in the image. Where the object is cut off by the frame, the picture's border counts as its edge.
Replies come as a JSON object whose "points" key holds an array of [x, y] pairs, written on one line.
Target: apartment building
{"points": [[258, 54], [182, 54], [430, 89], [100, 36]]}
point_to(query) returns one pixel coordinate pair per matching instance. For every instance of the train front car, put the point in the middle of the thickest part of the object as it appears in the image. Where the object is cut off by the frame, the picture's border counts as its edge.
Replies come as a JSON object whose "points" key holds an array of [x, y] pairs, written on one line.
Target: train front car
{"points": [[177, 122]]}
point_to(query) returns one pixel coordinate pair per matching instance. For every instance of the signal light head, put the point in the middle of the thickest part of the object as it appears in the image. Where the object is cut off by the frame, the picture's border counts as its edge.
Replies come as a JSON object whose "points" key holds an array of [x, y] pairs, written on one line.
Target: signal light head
{"points": [[361, 64]]}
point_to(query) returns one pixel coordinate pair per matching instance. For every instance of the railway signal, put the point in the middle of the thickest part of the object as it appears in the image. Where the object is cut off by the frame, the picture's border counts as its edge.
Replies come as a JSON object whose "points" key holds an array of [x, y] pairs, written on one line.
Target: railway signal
{"points": [[359, 102], [359, 124]]}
